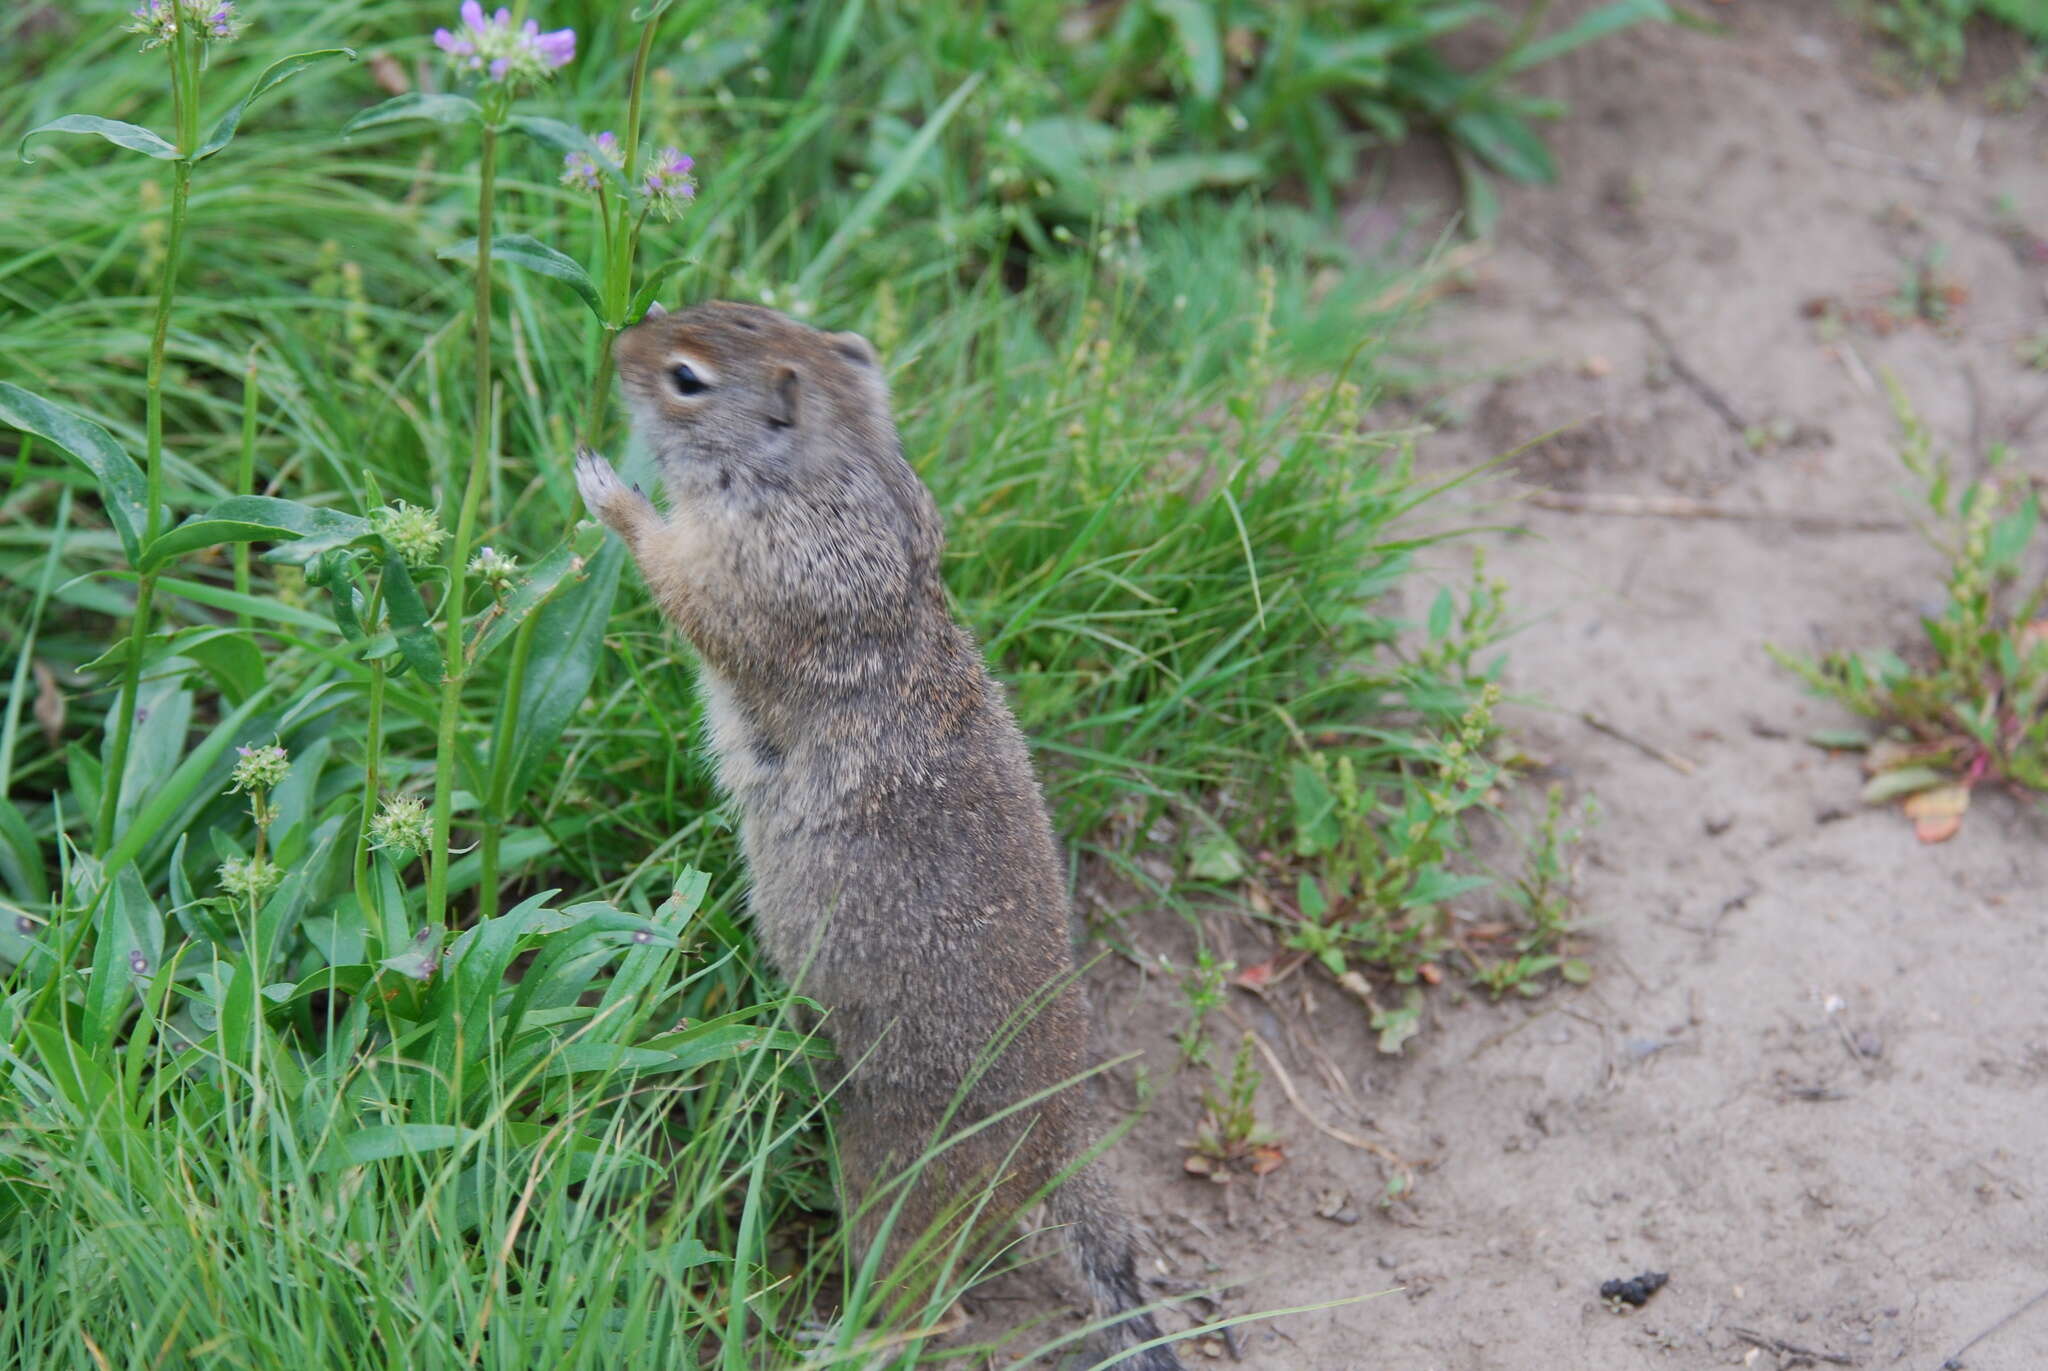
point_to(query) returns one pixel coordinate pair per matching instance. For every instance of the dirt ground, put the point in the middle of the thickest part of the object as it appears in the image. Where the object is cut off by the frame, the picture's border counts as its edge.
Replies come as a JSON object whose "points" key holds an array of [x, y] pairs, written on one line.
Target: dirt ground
{"points": [[1810, 1080]]}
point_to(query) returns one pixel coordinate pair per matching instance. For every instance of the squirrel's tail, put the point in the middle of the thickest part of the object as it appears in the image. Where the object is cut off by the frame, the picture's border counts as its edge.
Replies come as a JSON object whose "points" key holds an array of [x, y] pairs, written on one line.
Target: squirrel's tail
{"points": [[1106, 1254]]}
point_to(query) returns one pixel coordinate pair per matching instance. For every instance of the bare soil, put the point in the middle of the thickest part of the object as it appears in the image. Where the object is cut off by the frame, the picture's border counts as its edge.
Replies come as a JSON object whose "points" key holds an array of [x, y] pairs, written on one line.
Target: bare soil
{"points": [[1810, 1080]]}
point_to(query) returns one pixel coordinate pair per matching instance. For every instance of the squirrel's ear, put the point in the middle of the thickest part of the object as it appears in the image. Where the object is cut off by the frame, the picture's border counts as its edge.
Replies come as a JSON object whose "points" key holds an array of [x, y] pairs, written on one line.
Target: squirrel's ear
{"points": [[654, 310], [854, 348], [782, 393]]}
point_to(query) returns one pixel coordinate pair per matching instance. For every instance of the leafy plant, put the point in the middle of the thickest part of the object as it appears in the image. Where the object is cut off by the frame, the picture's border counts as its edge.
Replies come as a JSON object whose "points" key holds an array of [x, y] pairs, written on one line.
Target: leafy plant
{"points": [[1969, 705], [1229, 1139]]}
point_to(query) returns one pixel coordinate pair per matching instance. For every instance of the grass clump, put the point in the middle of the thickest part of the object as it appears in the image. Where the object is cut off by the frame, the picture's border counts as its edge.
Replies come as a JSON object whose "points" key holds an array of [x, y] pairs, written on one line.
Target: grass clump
{"points": [[1968, 705], [322, 694]]}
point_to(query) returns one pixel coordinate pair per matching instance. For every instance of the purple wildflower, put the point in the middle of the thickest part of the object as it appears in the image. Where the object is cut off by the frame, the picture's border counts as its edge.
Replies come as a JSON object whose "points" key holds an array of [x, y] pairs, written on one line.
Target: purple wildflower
{"points": [[506, 54], [213, 21], [669, 184], [584, 172]]}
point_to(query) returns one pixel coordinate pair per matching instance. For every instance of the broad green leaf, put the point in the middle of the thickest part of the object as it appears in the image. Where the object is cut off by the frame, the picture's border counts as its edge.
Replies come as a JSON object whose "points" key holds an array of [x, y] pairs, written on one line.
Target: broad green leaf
{"points": [[538, 586], [1194, 23], [163, 719], [529, 253], [258, 518], [885, 188], [123, 489], [391, 1140], [129, 946], [568, 639], [409, 621], [437, 108], [131, 136], [276, 74], [421, 957]]}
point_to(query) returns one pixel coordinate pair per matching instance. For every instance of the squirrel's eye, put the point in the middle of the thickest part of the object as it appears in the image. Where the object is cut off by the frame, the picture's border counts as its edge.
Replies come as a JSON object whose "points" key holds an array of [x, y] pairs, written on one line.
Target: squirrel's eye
{"points": [[687, 381]]}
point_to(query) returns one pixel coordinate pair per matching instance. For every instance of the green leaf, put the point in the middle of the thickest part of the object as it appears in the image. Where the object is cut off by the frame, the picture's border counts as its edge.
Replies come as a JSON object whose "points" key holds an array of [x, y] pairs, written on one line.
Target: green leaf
{"points": [[1214, 857], [422, 956], [1194, 23], [276, 74], [2010, 535], [1397, 1026], [336, 573], [1906, 780], [134, 137], [1309, 897], [123, 489], [258, 518], [555, 134], [130, 944], [1587, 29], [568, 639], [1482, 204], [521, 250], [885, 188], [534, 589], [409, 623], [1170, 178], [391, 1140], [1433, 885], [1506, 142], [1316, 829], [437, 108], [1440, 612], [651, 287], [1839, 739]]}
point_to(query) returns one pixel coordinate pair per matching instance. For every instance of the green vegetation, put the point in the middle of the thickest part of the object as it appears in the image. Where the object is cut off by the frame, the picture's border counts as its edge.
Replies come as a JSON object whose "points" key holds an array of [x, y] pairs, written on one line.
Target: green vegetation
{"points": [[360, 996], [1932, 35], [1969, 705]]}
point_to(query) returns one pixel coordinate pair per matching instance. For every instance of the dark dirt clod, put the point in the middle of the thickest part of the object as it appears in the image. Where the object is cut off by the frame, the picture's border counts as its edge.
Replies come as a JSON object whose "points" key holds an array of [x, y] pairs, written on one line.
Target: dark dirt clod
{"points": [[1636, 1290]]}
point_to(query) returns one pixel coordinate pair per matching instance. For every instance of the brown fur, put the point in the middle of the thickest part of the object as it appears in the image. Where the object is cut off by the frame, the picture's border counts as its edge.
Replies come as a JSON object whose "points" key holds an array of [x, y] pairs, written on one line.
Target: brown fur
{"points": [[905, 873]]}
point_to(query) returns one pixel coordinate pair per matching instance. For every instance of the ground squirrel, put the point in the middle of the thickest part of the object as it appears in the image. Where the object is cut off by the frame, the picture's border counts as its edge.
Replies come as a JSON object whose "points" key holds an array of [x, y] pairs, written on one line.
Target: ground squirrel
{"points": [[904, 869]]}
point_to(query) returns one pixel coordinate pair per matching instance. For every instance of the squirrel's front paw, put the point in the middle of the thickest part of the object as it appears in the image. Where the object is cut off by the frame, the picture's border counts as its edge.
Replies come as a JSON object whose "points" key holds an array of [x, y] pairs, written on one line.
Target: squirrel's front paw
{"points": [[610, 501]]}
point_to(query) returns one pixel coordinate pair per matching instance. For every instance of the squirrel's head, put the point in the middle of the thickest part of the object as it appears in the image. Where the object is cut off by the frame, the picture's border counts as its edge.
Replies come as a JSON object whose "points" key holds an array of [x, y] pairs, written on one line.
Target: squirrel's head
{"points": [[738, 398]]}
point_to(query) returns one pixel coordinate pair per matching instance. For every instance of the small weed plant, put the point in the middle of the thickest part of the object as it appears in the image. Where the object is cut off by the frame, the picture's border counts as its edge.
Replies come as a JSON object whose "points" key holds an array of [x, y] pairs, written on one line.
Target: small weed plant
{"points": [[1968, 705]]}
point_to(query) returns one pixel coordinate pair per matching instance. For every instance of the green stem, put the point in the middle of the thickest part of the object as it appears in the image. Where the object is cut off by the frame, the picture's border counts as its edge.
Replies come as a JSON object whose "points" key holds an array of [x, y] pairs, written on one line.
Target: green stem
{"points": [[497, 798], [458, 550], [185, 102], [622, 242], [373, 752], [245, 480]]}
